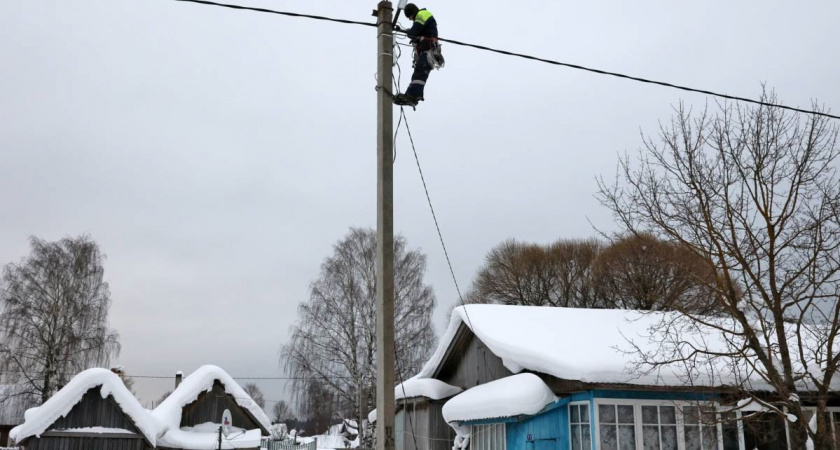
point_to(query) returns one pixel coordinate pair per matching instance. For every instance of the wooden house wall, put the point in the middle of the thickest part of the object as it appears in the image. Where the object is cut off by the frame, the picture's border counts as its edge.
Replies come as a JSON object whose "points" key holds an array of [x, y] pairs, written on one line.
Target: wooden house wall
{"points": [[95, 411], [210, 405], [426, 421], [4, 435], [85, 443], [91, 411], [469, 362]]}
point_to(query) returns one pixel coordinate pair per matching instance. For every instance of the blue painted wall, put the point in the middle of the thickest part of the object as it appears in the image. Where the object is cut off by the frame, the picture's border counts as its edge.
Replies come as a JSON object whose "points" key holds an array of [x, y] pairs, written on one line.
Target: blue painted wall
{"points": [[550, 431]]}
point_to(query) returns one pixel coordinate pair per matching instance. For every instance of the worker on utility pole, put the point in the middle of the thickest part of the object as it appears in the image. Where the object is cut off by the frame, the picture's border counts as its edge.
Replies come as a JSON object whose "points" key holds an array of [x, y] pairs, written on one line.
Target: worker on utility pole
{"points": [[427, 54]]}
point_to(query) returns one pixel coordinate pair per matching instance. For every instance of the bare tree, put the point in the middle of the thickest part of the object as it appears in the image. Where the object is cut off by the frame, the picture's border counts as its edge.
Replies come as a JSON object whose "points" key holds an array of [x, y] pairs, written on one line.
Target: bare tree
{"points": [[560, 274], [255, 393], [161, 398], [281, 412], [643, 273], [54, 316], [333, 343], [126, 379], [753, 191]]}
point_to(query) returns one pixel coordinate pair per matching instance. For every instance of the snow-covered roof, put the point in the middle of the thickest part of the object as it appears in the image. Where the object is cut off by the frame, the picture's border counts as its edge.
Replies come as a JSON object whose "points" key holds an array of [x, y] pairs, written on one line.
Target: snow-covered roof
{"points": [[421, 387], [198, 382], [37, 420], [207, 436], [589, 345], [425, 387], [522, 394]]}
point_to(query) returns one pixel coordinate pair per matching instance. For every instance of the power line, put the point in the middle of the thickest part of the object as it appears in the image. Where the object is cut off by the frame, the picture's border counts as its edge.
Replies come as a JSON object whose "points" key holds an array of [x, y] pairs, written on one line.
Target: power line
{"points": [[172, 377], [643, 80], [530, 57], [282, 13]]}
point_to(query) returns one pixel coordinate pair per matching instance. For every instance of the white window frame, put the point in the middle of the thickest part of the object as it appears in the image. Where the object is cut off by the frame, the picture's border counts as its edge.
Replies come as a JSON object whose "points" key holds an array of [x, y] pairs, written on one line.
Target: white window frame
{"points": [[831, 410], [637, 417], [591, 424], [488, 426]]}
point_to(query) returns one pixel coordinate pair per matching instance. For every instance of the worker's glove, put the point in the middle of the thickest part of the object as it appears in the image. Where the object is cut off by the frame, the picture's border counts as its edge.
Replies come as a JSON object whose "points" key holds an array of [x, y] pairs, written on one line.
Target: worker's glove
{"points": [[398, 28]]}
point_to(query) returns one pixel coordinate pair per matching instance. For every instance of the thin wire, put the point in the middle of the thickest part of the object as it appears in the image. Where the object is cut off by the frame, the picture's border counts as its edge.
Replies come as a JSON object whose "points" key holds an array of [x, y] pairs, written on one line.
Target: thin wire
{"points": [[437, 225], [530, 57], [642, 80], [405, 396], [282, 13]]}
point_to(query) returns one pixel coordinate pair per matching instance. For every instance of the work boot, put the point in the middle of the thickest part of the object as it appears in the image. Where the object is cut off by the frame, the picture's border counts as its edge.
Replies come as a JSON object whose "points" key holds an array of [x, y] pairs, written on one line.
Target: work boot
{"points": [[406, 100]]}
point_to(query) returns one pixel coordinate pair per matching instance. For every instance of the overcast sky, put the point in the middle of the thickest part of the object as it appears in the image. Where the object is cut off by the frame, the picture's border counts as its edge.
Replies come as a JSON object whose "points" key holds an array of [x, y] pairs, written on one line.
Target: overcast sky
{"points": [[217, 155]]}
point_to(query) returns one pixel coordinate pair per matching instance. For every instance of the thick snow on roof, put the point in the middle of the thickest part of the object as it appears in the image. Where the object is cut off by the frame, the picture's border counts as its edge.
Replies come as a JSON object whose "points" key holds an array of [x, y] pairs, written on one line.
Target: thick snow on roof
{"points": [[96, 430], [425, 387], [207, 436], [37, 420], [421, 387], [589, 345], [522, 394], [169, 411]]}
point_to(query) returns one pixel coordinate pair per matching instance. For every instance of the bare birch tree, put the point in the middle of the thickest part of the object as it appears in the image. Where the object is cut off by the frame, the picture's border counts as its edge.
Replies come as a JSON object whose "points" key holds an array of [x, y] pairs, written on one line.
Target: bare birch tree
{"points": [[54, 317], [333, 343], [753, 191], [255, 393]]}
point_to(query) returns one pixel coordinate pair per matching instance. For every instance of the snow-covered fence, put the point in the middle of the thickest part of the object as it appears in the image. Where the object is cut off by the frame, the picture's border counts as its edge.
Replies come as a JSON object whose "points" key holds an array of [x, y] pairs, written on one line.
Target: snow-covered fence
{"points": [[268, 444]]}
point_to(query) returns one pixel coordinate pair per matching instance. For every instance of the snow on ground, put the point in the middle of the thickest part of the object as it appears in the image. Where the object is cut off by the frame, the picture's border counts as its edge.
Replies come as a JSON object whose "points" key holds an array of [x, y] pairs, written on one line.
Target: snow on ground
{"points": [[328, 441], [522, 394], [37, 420], [190, 438]]}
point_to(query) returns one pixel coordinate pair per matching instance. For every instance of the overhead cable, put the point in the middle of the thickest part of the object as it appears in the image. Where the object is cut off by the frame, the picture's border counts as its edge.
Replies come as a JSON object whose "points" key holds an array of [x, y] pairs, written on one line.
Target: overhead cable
{"points": [[532, 58]]}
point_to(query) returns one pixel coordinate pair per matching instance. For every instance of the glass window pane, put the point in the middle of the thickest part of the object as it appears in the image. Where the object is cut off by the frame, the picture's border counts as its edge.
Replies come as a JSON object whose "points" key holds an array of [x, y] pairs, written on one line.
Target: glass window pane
{"points": [[691, 415], [729, 427], [667, 414], [585, 437], [626, 437], [650, 415], [606, 413], [692, 438], [710, 437], [669, 438], [576, 437], [650, 437], [625, 414], [709, 416], [608, 437], [584, 413], [575, 413]]}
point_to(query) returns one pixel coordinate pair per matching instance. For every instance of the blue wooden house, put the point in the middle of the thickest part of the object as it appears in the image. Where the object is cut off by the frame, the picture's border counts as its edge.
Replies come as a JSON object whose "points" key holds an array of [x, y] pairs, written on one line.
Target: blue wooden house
{"points": [[532, 378]]}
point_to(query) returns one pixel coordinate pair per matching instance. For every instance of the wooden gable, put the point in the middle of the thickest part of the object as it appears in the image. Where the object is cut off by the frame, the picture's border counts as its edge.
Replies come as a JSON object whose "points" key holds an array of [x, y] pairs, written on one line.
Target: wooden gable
{"points": [[468, 362], [210, 405]]}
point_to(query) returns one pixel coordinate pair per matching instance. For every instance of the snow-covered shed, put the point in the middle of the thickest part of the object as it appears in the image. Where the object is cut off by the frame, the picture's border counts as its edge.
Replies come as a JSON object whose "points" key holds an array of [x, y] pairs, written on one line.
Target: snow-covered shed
{"points": [[94, 411], [540, 378], [192, 413]]}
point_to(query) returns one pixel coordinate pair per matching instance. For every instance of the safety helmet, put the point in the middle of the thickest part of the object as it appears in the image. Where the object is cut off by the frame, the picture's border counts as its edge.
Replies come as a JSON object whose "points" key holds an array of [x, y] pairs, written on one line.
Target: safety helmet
{"points": [[411, 10]]}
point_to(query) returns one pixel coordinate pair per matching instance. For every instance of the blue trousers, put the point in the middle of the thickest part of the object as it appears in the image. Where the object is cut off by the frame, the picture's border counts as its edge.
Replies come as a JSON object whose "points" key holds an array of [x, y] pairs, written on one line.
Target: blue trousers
{"points": [[422, 69]]}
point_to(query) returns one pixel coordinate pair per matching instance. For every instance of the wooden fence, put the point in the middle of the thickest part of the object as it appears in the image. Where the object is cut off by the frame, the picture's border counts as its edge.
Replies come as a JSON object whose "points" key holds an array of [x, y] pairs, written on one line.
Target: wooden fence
{"points": [[268, 444]]}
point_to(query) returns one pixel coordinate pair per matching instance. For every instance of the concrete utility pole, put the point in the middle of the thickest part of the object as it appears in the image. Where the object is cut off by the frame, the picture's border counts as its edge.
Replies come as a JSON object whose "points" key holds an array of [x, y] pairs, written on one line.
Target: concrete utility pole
{"points": [[385, 231]]}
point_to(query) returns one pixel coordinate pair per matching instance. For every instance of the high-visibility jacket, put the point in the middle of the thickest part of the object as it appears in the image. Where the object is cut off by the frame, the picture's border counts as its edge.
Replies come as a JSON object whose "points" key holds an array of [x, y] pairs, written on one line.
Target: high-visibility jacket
{"points": [[425, 25]]}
